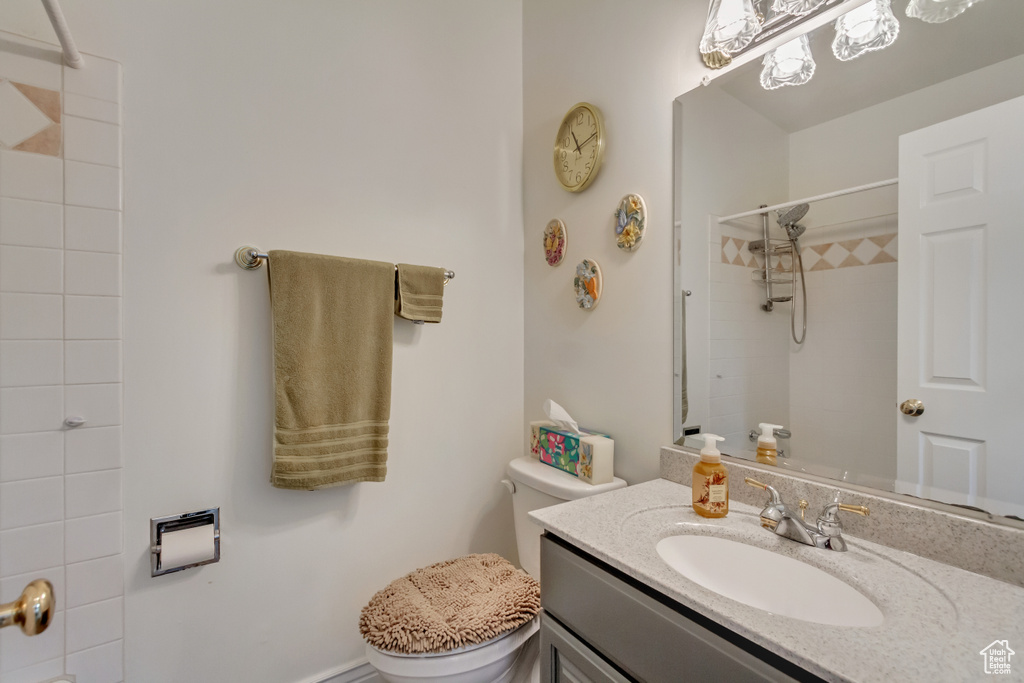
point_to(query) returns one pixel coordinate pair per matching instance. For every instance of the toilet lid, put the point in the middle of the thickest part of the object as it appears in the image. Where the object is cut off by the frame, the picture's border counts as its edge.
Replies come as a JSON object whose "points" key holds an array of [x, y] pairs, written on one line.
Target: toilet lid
{"points": [[458, 651], [450, 605]]}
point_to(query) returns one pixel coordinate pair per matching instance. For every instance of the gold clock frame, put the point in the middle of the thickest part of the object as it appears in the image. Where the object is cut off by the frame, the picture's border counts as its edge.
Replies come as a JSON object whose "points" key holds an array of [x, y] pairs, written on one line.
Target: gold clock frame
{"points": [[599, 155]]}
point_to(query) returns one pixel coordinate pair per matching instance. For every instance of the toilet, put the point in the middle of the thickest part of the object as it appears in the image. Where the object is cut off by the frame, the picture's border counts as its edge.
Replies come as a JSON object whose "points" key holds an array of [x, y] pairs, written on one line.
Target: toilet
{"points": [[511, 657]]}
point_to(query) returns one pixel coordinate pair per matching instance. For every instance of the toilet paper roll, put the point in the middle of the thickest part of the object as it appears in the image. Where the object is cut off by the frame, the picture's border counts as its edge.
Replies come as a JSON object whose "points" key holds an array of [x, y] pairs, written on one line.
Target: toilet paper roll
{"points": [[188, 546]]}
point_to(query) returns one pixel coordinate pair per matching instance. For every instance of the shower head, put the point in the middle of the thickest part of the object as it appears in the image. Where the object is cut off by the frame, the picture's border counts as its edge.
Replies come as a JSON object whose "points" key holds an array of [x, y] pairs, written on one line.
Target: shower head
{"points": [[793, 215], [788, 220]]}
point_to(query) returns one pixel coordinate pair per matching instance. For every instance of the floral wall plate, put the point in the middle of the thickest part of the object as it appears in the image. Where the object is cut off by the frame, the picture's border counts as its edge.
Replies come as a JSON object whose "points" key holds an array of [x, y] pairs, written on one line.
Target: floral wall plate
{"points": [[630, 222], [588, 284], [555, 240]]}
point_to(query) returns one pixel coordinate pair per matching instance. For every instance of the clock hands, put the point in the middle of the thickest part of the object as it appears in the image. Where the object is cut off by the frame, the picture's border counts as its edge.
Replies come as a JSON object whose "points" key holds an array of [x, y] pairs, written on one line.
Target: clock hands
{"points": [[580, 144], [576, 141]]}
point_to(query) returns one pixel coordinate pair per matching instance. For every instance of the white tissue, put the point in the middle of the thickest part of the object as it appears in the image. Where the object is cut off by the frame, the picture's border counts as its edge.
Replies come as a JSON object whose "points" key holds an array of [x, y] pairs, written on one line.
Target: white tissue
{"points": [[188, 546], [560, 417]]}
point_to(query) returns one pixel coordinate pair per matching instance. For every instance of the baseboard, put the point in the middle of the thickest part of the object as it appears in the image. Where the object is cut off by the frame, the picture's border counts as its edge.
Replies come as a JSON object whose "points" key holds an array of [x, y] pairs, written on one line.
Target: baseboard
{"points": [[353, 672]]}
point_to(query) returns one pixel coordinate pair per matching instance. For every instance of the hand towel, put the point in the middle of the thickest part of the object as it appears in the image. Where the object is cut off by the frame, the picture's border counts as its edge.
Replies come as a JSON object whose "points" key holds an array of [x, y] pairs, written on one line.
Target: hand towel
{"points": [[418, 292], [333, 325]]}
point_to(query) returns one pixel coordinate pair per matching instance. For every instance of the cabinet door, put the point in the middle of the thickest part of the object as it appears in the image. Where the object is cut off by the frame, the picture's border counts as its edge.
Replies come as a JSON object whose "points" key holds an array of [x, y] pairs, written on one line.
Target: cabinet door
{"points": [[565, 659]]}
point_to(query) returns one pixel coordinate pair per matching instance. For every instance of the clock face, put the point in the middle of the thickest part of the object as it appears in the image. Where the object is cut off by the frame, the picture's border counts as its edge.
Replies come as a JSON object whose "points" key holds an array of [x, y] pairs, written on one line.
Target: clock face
{"points": [[579, 147]]}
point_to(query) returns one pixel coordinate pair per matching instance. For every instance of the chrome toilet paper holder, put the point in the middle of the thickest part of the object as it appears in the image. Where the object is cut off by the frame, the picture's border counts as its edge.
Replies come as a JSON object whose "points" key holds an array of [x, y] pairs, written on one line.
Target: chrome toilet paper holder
{"points": [[158, 526]]}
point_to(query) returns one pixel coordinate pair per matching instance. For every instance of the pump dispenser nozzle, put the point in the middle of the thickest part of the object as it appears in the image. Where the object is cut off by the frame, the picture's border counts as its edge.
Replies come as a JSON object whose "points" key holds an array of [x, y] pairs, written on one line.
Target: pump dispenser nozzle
{"points": [[710, 452], [767, 438]]}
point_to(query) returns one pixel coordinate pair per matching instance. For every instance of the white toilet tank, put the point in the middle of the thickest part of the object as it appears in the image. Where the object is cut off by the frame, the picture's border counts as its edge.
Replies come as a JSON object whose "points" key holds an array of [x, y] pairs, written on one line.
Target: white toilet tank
{"points": [[539, 486]]}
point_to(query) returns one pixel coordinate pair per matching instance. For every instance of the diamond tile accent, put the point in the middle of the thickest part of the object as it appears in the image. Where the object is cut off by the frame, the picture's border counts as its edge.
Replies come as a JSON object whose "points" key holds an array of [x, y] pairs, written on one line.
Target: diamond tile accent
{"points": [[843, 254], [19, 118]]}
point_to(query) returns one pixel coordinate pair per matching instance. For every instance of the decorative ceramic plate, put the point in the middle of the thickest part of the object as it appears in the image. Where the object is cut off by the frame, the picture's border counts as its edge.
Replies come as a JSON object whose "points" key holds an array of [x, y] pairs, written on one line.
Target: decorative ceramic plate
{"points": [[588, 284], [630, 222], [555, 240]]}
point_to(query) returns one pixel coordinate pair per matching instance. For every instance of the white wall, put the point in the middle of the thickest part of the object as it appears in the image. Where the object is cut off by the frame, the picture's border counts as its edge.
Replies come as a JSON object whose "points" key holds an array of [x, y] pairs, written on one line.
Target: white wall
{"points": [[387, 130], [610, 367]]}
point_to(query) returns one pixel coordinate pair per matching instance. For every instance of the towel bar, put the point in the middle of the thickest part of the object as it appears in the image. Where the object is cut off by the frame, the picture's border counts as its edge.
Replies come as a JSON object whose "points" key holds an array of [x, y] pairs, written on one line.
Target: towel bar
{"points": [[251, 258]]}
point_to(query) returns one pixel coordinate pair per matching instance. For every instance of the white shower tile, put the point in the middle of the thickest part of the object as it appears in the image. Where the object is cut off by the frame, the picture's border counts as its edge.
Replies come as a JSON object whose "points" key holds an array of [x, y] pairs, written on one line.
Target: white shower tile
{"points": [[11, 586], [99, 78], [92, 229], [91, 108], [31, 316], [31, 363], [95, 624], [53, 668], [31, 224], [92, 185], [33, 62], [103, 664], [29, 502], [92, 493], [88, 538], [92, 317], [91, 273], [24, 175], [31, 409], [28, 456], [92, 362], [95, 580], [99, 404], [31, 549], [87, 449], [31, 270], [18, 652], [92, 141]]}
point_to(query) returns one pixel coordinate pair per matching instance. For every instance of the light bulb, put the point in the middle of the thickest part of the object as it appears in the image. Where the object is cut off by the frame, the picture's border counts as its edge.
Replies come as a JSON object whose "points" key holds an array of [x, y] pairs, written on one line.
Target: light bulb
{"points": [[788, 64], [731, 25], [937, 11]]}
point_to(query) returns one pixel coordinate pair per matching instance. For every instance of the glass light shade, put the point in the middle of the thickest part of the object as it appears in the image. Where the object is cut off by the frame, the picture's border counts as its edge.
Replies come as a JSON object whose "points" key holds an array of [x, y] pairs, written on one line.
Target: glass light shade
{"points": [[937, 11], [869, 27], [797, 8], [788, 64], [732, 24]]}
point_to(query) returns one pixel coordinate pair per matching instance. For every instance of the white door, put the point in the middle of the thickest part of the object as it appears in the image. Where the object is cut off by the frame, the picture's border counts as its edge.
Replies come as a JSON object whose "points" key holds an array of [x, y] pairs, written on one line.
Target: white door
{"points": [[961, 309]]}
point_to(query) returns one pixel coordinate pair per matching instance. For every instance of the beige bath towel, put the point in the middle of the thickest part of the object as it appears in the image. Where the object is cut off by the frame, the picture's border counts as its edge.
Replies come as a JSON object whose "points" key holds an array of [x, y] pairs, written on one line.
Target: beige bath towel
{"points": [[449, 605], [332, 369], [418, 292]]}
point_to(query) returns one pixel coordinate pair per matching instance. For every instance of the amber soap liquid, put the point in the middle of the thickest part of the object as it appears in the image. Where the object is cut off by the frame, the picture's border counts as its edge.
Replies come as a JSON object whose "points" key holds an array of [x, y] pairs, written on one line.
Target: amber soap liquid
{"points": [[710, 489]]}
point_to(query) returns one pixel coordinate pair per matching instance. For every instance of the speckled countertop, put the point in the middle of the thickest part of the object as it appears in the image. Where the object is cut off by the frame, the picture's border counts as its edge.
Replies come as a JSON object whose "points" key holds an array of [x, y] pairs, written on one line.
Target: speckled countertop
{"points": [[937, 618]]}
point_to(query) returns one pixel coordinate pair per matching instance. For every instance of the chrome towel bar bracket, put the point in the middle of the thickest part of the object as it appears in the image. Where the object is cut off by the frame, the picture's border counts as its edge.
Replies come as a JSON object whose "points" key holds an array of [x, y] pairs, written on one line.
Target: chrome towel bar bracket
{"points": [[251, 258]]}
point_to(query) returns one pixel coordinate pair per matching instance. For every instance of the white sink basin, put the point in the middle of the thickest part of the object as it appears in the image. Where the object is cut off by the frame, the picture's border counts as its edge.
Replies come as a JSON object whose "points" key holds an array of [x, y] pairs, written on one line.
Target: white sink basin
{"points": [[768, 581]]}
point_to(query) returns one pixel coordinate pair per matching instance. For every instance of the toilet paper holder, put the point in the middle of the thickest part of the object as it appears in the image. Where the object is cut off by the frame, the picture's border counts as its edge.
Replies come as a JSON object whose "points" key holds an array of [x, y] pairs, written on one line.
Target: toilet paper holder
{"points": [[158, 526]]}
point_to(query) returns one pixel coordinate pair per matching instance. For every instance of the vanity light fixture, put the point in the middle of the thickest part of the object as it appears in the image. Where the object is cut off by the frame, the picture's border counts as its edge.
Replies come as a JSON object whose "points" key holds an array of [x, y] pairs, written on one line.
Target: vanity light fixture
{"points": [[869, 27], [937, 11], [788, 64], [731, 25]]}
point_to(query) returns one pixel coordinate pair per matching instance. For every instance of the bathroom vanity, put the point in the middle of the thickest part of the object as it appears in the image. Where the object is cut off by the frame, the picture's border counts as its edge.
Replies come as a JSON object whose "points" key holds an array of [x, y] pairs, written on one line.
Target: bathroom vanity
{"points": [[616, 611]]}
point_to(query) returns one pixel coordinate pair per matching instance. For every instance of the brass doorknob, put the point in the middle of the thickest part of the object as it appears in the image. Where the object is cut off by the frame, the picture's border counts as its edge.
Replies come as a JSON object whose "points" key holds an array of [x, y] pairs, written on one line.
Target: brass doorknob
{"points": [[912, 407], [33, 611]]}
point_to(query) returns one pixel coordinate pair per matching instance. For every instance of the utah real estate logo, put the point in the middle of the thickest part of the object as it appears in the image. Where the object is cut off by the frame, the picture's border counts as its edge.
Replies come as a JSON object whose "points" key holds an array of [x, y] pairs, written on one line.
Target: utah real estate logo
{"points": [[997, 657]]}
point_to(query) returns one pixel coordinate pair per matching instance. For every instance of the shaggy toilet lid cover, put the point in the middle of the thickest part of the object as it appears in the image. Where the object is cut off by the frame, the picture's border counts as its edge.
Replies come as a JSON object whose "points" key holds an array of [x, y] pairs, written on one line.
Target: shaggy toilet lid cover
{"points": [[449, 605]]}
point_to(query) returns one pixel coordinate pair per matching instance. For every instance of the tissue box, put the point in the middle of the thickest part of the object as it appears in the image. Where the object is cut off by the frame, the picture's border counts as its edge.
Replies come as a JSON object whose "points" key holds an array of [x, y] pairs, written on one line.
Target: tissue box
{"points": [[589, 456]]}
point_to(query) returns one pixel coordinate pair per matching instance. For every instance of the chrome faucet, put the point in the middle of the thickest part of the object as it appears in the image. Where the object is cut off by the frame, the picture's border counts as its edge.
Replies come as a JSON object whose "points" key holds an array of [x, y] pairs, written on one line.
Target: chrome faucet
{"points": [[827, 534]]}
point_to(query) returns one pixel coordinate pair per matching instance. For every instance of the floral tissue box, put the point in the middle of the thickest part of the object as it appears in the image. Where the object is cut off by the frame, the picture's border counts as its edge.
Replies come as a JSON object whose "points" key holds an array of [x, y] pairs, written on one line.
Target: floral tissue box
{"points": [[590, 456]]}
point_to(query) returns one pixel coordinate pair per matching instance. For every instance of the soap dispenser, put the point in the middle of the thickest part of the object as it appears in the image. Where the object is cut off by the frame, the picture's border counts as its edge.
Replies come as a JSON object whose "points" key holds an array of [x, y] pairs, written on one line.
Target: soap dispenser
{"points": [[767, 446], [710, 481]]}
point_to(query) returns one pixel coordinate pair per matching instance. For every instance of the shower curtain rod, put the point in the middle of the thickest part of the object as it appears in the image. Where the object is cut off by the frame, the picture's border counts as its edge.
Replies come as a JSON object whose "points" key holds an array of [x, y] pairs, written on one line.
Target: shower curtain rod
{"points": [[808, 200], [71, 55]]}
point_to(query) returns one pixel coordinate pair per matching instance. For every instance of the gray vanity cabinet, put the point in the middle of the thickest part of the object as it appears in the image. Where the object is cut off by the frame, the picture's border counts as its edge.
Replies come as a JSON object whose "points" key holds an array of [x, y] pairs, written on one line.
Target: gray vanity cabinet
{"points": [[601, 626]]}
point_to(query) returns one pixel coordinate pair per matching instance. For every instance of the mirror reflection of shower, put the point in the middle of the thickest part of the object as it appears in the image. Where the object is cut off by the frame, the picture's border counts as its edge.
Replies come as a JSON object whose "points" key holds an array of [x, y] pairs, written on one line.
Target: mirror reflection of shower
{"points": [[788, 220]]}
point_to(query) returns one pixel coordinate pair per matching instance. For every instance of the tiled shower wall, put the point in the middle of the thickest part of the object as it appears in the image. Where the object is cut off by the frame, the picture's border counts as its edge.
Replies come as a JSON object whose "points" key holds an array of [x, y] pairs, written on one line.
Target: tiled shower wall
{"points": [[61, 357], [837, 391]]}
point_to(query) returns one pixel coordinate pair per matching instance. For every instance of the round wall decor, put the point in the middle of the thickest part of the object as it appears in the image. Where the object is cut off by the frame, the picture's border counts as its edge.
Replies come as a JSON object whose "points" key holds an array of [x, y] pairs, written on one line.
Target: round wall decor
{"points": [[588, 284], [630, 222], [555, 241]]}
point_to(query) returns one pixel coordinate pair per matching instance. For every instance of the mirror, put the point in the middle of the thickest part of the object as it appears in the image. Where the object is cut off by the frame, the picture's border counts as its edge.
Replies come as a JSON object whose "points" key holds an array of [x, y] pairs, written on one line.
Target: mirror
{"points": [[739, 147]]}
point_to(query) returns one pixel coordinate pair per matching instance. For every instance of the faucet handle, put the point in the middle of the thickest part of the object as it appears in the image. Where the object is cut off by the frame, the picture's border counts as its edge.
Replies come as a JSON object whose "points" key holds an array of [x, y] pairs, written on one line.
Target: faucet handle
{"points": [[861, 510], [774, 497]]}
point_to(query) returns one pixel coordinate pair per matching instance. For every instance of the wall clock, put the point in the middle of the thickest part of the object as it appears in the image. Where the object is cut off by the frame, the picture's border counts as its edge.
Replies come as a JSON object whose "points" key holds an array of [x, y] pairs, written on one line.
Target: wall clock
{"points": [[579, 147]]}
